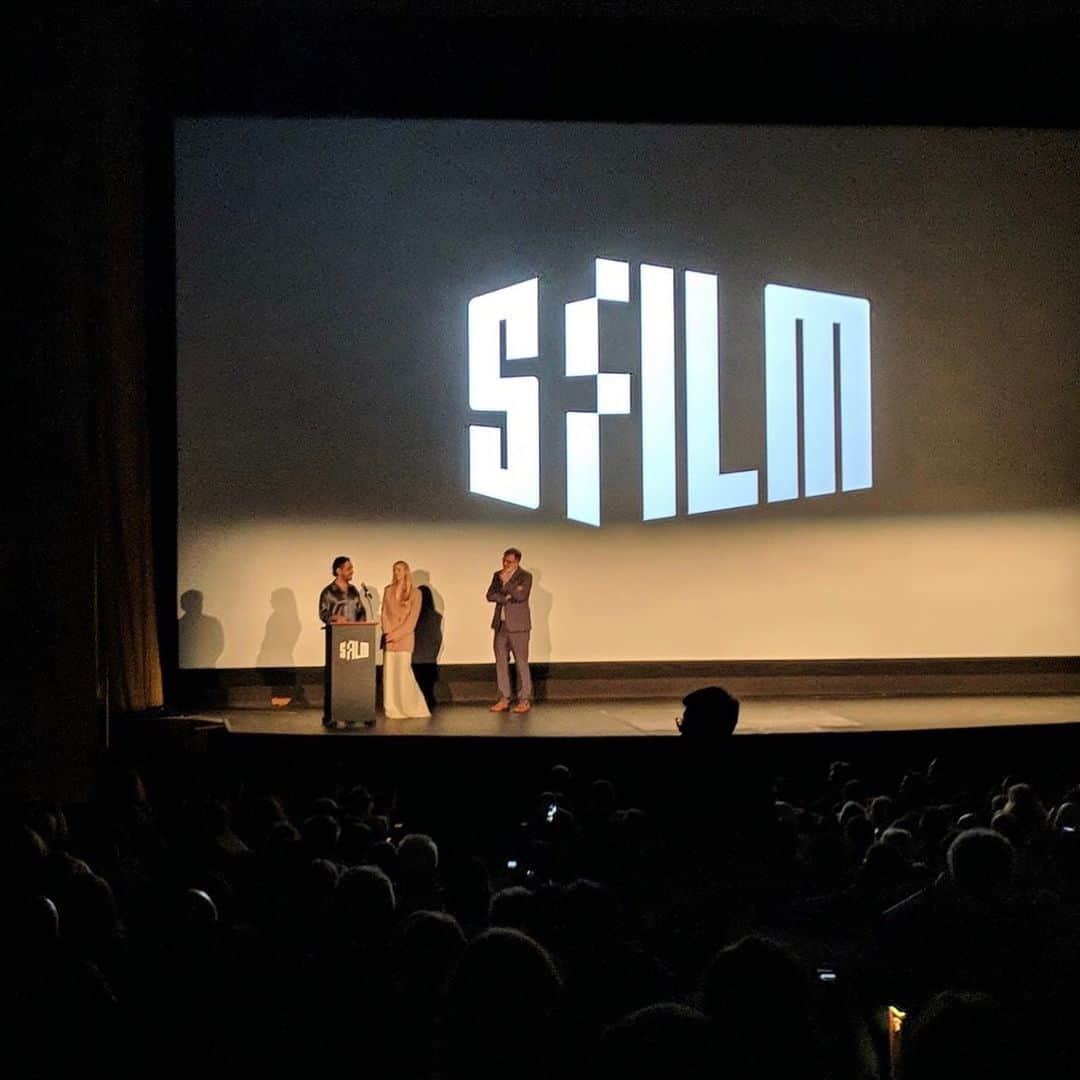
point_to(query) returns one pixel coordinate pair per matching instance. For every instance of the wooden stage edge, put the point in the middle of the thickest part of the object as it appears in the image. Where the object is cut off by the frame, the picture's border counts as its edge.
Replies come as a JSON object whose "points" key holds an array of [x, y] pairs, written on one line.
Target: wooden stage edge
{"points": [[621, 718]]}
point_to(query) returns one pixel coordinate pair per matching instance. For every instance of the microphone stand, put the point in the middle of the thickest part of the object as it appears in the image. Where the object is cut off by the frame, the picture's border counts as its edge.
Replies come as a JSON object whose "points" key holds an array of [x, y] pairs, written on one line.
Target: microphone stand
{"points": [[369, 601]]}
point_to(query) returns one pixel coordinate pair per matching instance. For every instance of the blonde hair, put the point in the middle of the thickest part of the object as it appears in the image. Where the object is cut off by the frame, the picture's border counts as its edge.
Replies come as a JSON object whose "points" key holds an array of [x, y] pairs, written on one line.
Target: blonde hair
{"points": [[404, 589]]}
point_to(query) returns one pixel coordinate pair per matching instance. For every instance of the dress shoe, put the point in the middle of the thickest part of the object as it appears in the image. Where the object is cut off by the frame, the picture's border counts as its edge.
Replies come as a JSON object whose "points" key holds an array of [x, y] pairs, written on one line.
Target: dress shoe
{"points": [[522, 706], [500, 706]]}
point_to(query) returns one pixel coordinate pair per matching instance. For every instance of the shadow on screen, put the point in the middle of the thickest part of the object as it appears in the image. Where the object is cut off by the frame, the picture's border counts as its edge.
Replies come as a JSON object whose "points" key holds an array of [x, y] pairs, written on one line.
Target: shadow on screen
{"points": [[276, 651], [429, 637], [282, 631], [540, 601], [201, 637]]}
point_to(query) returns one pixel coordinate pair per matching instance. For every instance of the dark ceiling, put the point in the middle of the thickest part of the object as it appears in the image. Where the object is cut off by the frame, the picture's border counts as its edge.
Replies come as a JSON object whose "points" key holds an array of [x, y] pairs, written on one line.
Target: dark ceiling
{"points": [[759, 60]]}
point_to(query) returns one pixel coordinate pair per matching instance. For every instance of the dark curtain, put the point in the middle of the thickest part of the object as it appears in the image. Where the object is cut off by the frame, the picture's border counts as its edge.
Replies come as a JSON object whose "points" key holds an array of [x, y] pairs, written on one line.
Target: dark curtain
{"points": [[117, 51], [78, 596]]}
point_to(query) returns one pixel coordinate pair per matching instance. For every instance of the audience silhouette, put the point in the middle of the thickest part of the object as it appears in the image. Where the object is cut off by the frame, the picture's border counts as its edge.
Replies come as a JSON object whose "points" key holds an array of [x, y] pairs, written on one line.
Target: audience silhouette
{"points": [[735, 926]]}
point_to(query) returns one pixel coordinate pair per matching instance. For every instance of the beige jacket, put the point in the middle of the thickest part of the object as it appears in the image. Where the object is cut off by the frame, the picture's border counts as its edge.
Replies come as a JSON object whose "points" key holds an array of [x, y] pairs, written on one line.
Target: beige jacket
{"points": [[399, 620]]}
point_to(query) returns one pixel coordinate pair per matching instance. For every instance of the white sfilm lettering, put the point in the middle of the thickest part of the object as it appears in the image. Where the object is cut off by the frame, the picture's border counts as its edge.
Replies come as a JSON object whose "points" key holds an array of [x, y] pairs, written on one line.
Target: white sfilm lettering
{"points": [[816, 346]]}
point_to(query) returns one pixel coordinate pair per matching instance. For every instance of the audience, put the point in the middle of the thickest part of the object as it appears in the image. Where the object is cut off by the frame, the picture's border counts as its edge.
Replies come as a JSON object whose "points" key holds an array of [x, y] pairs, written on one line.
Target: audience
{"points": [[503, 1012], [716, 934], [663, 1040], [960, 1035]]}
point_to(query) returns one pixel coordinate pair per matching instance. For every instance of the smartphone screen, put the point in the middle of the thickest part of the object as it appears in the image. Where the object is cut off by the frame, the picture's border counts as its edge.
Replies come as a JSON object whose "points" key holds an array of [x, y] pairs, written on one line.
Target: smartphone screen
{"points": [[895, 1018]]}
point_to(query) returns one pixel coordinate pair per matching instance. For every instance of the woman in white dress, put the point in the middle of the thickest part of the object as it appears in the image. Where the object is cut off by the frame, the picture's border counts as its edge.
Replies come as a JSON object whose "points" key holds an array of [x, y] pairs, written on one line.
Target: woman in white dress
{"points": [[400, 610]]}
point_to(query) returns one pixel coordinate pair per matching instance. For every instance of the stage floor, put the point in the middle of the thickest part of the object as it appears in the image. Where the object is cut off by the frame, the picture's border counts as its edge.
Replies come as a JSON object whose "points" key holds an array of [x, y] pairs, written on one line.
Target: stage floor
{"points": [[758, 716]]}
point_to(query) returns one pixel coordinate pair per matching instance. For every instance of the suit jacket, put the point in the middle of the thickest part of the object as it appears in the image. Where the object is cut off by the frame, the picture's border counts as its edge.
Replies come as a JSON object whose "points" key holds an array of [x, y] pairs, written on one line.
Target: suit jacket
{"points": [[513, 597], [400, 619]]}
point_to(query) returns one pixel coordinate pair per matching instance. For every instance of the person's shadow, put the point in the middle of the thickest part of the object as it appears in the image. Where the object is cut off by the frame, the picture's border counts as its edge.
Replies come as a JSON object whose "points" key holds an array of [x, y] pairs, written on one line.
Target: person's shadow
{"points": [[540, 601], [201, 637], [429, 637], [282, 631]]}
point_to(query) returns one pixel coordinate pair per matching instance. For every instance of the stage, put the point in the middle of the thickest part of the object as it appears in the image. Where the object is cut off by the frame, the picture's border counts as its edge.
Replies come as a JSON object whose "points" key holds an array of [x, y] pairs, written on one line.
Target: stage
{"points": [[465, 759], [633, 719]]}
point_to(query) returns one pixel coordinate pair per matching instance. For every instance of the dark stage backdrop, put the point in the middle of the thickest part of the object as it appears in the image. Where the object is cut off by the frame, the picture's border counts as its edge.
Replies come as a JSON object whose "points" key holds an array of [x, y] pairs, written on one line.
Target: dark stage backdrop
{"points": [[738, 392]]}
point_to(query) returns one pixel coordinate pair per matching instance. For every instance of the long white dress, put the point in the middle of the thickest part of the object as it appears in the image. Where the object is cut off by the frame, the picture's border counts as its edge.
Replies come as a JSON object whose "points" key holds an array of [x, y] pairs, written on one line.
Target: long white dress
{"points": [[401, 693]]}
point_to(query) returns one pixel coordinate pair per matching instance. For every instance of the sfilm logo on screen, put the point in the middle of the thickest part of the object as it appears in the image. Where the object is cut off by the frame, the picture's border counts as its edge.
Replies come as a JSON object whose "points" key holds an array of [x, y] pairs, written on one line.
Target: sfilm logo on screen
{"points": [[816, 343]]}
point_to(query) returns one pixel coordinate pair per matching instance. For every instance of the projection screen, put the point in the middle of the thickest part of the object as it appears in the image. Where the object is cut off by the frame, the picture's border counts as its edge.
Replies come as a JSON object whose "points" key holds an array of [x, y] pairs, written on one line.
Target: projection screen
{"points": [[736, 392]]}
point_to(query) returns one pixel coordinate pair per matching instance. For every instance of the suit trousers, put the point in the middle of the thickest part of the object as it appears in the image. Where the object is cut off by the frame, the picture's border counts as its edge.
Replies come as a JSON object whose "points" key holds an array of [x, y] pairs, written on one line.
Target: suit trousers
{"points": [[516, 642]]}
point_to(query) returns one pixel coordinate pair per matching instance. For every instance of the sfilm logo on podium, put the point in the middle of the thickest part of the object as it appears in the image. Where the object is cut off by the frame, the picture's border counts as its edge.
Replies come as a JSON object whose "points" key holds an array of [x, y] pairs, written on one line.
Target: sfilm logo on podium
{"points": [[353, 650], [817, 344]]}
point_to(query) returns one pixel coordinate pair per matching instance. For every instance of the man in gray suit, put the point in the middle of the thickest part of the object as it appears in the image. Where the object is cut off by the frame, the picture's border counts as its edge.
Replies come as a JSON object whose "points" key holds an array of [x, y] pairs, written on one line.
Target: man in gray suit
{"points": [[509, 592]]}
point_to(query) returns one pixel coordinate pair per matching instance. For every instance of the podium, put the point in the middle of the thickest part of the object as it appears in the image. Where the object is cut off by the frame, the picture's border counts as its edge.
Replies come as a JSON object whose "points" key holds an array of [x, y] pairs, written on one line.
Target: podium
{"points": [[350, 673]]}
